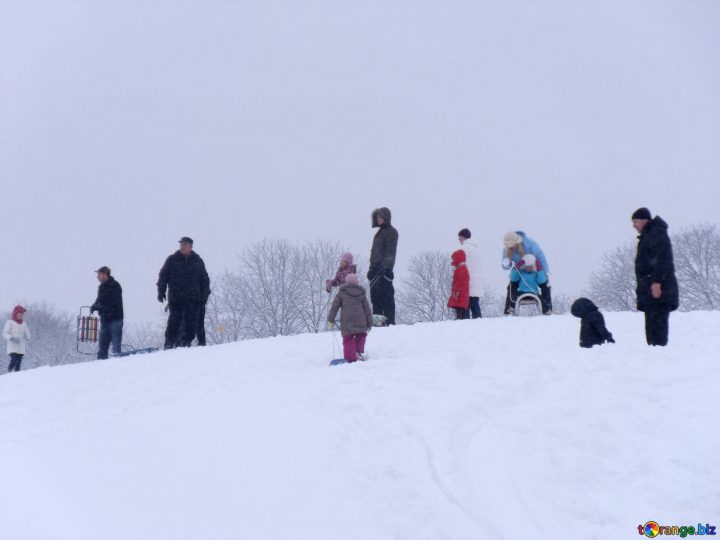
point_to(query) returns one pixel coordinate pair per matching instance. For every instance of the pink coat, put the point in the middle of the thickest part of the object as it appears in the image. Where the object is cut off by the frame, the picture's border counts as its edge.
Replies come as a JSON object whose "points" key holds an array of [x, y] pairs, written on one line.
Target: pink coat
{"points": [[340, 277]]}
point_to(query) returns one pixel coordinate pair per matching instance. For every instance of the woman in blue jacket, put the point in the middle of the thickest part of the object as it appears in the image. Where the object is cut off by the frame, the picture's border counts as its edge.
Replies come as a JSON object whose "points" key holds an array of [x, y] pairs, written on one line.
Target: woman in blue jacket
{"points": [[517, 245]]}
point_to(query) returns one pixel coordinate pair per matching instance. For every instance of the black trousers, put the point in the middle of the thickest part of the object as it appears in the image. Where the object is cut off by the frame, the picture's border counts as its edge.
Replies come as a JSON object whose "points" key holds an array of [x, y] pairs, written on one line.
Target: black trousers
{"points": [[201, 326], [15, 360], [183, 313], [511, 296], [657, 326], [382, 297], [475, 307]]}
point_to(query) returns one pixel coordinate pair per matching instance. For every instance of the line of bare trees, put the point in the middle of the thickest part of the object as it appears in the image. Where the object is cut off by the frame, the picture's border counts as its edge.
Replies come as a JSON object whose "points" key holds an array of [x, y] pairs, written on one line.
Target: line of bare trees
{"points": [[277, 288]]}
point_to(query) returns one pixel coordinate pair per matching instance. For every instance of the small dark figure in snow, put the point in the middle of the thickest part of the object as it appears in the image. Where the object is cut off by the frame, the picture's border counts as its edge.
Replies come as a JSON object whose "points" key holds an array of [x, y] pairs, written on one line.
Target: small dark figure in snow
{"points": [[460, 291], [355, 317], [346, 267], [592, 323]]}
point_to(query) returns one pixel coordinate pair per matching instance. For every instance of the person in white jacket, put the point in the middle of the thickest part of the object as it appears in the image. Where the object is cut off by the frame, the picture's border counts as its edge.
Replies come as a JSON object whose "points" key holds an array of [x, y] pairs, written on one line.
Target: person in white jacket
{"points": [[16, 334], [472, 256]]}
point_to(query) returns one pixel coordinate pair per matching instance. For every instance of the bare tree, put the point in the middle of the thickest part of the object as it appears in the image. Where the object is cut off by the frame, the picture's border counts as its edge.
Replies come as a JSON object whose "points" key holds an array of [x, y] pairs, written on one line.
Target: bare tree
{"points": [[277, 289], [696, 252], [143, 335], [561, 303], [317, 262], [425, 291], [228, 317], [612, 285]]}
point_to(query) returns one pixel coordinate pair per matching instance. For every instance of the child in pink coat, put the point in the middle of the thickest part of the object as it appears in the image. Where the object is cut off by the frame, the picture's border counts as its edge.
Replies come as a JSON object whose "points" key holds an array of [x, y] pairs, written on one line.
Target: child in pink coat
{"points": [[346, 267]]}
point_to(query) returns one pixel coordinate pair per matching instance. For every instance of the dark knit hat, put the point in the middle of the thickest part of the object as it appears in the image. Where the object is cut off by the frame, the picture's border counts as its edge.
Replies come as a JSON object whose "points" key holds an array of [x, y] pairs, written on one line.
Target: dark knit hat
{"points": [[465, 233], [104, 270], [185, 240], [641, 213]]}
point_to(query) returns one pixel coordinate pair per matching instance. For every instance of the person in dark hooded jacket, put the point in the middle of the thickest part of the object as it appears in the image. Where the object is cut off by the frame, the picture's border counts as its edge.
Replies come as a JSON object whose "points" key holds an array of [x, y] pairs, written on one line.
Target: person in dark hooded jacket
{"points": [[382, 261], [657, 286], [188, 286], [592, 323]]}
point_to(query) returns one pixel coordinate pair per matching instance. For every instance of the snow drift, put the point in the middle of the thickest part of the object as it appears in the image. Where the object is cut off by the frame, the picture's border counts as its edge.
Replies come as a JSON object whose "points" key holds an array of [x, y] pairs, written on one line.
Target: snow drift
{"points": [[494, 428]]}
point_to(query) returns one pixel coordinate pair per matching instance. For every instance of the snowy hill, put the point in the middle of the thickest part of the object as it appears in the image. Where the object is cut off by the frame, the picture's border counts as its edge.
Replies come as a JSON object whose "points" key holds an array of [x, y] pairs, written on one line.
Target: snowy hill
{"points": [[498, 428]]}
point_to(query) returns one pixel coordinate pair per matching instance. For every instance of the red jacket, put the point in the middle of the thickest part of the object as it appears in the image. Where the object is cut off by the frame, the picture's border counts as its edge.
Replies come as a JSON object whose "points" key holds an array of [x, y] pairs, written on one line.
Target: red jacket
{"points": [[460, 292]]}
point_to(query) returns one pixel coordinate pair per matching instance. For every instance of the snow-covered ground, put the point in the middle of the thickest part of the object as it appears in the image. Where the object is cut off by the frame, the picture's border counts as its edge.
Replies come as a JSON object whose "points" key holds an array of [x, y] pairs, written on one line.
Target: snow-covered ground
{"points": [[497, 428]]}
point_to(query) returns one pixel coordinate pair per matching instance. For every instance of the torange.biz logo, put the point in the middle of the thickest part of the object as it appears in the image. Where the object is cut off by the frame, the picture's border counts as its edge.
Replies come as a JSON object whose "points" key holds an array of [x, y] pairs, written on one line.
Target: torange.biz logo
{"points": [[651, 529]]}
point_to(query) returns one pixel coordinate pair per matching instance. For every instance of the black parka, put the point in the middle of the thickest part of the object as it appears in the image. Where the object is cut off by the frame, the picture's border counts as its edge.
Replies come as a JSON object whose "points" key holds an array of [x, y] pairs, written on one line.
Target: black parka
{"points": [[384, 247], [592, 323], [185, 278], [109, 303], [654, 264]]}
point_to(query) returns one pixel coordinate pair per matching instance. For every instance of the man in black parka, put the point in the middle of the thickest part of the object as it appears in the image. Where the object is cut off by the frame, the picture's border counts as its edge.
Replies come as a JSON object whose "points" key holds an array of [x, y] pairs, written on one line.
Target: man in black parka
{"points": [[109, 305], [657, 287], [382, 261], [188, 287]]}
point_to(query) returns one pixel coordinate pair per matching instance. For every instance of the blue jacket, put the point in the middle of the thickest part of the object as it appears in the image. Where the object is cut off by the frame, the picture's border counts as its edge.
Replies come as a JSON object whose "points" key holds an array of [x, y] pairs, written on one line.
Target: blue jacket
{"points": [[528, 282], [530, 246]]}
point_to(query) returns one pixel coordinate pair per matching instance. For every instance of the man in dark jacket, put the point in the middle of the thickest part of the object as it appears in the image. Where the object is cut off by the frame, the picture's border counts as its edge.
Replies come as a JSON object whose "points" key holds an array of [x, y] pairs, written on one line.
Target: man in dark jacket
{"points": [[382, 261], [592, 323], [109, 305], [188, 287], [657, 287]]}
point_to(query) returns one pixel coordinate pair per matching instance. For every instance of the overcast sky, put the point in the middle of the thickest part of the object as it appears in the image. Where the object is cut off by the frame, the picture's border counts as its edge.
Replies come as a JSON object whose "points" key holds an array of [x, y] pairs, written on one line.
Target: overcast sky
{"points": [[126, 125]]}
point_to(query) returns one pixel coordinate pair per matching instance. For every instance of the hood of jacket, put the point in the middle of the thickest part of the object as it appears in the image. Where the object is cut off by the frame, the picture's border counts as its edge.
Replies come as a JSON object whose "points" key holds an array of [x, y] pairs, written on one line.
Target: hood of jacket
{"points": [[582, 306], [383, 213], [352, 289], [656, 223]]}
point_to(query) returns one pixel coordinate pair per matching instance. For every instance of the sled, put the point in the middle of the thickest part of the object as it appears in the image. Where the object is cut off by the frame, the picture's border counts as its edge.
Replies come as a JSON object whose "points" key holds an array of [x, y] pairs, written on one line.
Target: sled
{"points": [[128, 350], [341, 361], [87, 332], [528, 305]]}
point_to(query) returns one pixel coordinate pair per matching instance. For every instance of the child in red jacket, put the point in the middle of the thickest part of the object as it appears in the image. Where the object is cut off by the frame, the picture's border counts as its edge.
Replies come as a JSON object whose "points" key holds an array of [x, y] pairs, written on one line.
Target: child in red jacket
{"points": [[460, 292]]}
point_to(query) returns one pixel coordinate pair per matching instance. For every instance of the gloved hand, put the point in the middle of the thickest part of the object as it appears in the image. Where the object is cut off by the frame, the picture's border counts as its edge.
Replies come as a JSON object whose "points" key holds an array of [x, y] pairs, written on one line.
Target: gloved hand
{"points": [[330, 325], [161, 297], [370, 274], [610, 340], [15, 339], [93, 309], [369, 328]]}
